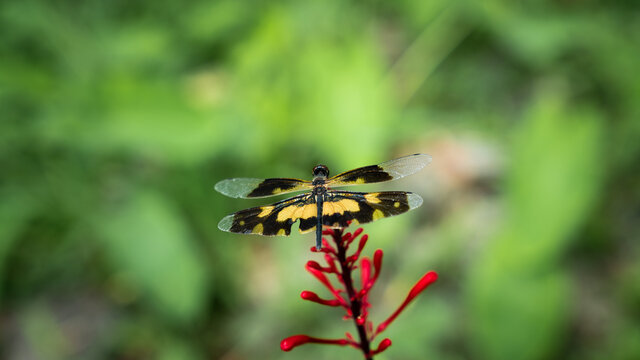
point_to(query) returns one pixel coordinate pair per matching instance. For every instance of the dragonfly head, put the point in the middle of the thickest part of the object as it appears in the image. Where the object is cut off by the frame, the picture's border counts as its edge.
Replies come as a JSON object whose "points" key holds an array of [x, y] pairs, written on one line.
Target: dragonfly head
{"points": [[321, 171]]}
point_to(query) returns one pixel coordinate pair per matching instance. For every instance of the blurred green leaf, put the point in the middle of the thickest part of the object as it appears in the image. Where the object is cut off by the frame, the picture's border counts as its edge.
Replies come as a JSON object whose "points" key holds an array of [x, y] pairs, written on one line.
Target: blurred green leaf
{"points": [[16, 208], [43, 334], [148, 243], [118, 117], [553, 181], [557, 170], [304, 83], [174, 350]]}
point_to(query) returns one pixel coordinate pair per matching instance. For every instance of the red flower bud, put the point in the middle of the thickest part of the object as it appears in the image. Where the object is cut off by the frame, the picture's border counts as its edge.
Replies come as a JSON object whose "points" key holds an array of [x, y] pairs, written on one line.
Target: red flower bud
{"points": [[384, 344], [327, 248], [365, 272], [328, 231], [377, 263], [316, 270], [349, 240], [362, 243], [296, 340], [331, 262], [426, 280], [349, 336], [311, 296], [292, 341]]}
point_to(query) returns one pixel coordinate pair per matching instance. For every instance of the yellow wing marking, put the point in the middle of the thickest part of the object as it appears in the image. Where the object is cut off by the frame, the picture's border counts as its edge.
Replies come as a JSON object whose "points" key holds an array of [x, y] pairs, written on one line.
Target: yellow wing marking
{"points": [[288, 213], [372, 198], [294, 212], [340, 207], [309, 211], [266, 210], [377, 214], [257, 229]]}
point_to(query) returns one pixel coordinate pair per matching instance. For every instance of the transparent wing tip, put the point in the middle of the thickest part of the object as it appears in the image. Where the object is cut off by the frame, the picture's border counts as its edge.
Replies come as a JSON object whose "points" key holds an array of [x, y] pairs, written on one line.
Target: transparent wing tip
{"points": [[226, 223], [414, 200], [226, 187], [236, 188], [406, 165], [426, 158], [219, 186]]}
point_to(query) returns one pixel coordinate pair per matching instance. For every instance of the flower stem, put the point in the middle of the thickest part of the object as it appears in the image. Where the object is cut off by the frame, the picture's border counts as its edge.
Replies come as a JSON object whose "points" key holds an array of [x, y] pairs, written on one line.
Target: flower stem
{"points": [[356, 304]]}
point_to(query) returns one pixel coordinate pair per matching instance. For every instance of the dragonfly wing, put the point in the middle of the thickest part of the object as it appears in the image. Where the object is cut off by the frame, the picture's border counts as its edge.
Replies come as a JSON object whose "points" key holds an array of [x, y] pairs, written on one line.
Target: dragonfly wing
{"points": [[387, 171], [343, 207], [255, 188], [275, 219]]}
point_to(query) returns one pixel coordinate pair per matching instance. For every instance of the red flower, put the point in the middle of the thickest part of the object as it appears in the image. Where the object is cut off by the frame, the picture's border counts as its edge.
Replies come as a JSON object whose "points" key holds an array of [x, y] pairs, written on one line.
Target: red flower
{"points": [[354, 301], [296, 340]]}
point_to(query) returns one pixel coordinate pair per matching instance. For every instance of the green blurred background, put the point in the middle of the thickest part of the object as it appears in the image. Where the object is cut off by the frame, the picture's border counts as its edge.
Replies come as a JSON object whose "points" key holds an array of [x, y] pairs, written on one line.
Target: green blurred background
{"points": [[118, 117]]}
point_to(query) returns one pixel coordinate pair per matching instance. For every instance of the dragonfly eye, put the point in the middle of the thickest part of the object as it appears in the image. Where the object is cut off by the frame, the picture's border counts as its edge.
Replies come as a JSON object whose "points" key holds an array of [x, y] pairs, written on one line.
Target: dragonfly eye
{"points": [[321, 170]]}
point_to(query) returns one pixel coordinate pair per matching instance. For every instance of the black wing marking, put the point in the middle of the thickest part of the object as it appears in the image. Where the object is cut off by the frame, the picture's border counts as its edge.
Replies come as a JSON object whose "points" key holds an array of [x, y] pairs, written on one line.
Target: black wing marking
{"points": [[255, 188], [275, 219], [389, 170], [340, 207]]}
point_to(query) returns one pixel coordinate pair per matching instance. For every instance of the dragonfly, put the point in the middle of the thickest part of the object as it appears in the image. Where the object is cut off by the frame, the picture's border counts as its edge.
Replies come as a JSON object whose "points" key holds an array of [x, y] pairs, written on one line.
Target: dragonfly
{"points": [[321, 205]]}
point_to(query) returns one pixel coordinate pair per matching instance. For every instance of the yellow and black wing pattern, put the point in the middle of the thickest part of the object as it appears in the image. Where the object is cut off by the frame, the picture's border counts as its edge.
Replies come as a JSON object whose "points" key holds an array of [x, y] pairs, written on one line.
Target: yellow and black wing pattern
{"points": [[338, 208], [341, 207], [274, 219], [387, 171], [256, 188]]}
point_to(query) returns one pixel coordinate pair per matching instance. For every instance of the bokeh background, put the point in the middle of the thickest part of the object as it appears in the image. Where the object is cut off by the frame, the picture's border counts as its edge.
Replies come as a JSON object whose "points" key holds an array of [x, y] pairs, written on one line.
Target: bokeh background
{"points": [[118, 117]]}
